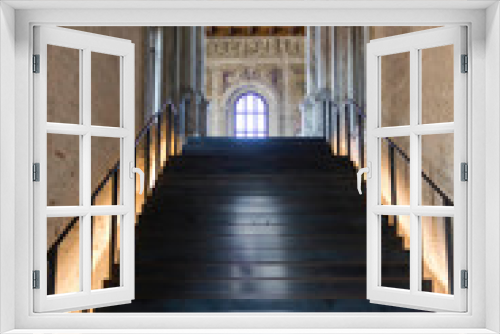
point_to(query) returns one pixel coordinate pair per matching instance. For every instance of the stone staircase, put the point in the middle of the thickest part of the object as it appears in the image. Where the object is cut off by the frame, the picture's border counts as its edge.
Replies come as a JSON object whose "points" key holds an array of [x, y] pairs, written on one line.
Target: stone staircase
{"points": [[268, 225]]}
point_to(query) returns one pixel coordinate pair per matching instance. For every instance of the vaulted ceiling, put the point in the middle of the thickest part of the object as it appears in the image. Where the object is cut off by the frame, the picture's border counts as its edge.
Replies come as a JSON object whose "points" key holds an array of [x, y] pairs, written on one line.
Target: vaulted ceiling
{"points": [[254, 31]]}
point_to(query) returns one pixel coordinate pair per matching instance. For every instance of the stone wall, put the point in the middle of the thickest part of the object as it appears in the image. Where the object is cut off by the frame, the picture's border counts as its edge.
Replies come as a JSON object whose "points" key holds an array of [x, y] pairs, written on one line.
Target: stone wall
{"points": [[437, 150], [63, 106], [63, 156], [437, 106]]}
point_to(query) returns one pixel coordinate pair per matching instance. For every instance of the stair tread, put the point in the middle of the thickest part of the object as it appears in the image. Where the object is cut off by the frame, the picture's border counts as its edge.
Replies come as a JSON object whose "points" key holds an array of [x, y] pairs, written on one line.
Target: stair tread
{"points": [[270, 224]]}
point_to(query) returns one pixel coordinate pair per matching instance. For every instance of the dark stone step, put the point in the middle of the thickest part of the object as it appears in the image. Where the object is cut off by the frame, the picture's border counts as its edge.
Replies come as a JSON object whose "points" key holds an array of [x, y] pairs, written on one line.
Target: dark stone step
{"points": [[239, 190], [256, 150], [257, 204], [254, 289], [274, 222], [168, 227], [307, 200], [252, 305], [213, 271], [261, 218], [244, 169], [256, 241], [246, 141], [257, 255], [299, 178]]}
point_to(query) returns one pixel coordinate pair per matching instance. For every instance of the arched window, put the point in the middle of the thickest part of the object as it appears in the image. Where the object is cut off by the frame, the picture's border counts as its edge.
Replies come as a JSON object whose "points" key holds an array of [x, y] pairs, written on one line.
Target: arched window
{"points": [[251, 116]]}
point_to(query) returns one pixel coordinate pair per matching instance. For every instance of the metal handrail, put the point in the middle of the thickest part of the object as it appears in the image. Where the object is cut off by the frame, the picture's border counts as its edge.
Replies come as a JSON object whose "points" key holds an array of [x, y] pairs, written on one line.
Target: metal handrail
{"points": [[111, 175], [331, 110], [401, 152]]}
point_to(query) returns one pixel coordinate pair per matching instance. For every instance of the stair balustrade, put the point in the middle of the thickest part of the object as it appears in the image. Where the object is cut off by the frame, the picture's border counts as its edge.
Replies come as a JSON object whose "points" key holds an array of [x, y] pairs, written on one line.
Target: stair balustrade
{"points": [[160, 137], [164, 134], [344, 127]]}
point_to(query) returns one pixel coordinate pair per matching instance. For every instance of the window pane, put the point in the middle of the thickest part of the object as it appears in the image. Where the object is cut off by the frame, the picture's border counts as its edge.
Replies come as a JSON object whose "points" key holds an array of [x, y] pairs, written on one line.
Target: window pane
{"points": [[104, 174], [63, 85], [105, 252], [240, 106], [395, 89], [105, 90], [437, 169], [260, 106], [261, 125], [437, 254], [63, 170], [240, 122], [395, 171], [251, 123], [250, 116], [250, 102], [395, 234], [63, 255], [437, 84]]}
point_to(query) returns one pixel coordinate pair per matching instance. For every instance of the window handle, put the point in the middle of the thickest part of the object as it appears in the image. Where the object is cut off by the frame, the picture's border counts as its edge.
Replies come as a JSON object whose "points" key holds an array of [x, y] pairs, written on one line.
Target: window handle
{"points": [[368, 171], [139, 171]]}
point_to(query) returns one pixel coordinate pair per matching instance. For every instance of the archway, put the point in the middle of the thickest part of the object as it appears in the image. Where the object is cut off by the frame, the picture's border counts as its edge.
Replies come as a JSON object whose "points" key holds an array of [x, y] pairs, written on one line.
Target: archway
{"points": [[251, 116], [267, 94]]}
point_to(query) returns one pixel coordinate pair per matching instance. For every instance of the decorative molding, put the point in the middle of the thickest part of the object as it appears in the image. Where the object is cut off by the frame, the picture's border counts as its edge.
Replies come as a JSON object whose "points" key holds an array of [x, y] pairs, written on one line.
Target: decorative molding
{"points": [[271, 75], [255, 47]]}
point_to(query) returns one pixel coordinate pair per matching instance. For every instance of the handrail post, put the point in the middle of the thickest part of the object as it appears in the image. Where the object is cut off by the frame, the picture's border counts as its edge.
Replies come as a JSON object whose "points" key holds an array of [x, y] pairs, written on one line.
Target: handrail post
{"points": [[348, 129], [185, 104], [114, 227], [330, 122], [392, 162], [448, 232], [361, 140], [207, 118], [158, 146], [337, 112], [175, 130], [147, 161], [324, 119], [168, 137], [51, 270], [197, 115]]}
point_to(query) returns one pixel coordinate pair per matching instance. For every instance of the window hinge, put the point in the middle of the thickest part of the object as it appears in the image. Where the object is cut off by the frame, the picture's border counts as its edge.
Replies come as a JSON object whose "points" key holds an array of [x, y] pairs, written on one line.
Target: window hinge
{"points": [[465, 279], [464, 171], [36, 172], [36, 63], [36, 279], [465, 64]]}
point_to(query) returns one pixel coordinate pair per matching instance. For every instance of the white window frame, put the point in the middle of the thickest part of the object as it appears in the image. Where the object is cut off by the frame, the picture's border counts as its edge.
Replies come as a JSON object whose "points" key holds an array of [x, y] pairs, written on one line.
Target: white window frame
{"points": [[85, 43], [484, 49], [413, 44]]}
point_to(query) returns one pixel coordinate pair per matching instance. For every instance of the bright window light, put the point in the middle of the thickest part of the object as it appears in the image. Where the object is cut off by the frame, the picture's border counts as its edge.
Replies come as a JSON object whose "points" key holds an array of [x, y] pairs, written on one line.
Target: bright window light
{"points": [[251, 116]]}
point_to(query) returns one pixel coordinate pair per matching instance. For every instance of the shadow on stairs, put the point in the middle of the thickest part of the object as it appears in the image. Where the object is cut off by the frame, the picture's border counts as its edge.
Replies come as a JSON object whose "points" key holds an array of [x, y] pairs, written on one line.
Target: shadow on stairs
{"points": [[273, 225]]}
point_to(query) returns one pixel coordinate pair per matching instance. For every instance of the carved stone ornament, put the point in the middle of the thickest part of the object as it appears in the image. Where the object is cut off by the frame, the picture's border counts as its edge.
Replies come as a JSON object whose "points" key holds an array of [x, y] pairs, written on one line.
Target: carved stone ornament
{"points": [[255, 47]]}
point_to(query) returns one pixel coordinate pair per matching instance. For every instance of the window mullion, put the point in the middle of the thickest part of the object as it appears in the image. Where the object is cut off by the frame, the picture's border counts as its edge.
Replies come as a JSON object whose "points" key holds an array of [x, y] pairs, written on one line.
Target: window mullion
{"points": [[85, 167], [255, 118], [81, 235], [415, 243]]}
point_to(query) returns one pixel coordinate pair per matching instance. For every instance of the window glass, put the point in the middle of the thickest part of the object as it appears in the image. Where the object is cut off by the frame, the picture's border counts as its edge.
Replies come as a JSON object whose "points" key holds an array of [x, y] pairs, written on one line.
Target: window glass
{"points": [[251, 116]]}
